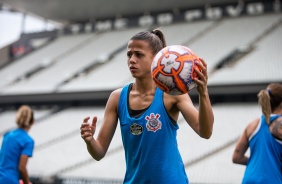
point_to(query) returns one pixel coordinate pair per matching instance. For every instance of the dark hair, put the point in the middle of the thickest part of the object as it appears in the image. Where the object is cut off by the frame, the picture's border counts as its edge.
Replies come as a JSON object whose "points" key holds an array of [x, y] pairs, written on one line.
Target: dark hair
{"points": [[154, 38], [270, 99], [24, 117]]}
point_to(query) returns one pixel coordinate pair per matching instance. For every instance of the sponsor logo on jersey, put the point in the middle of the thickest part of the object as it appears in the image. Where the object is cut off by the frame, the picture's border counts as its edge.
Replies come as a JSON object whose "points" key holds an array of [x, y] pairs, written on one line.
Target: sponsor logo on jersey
{"points": [[136, 129], [153, 122]]}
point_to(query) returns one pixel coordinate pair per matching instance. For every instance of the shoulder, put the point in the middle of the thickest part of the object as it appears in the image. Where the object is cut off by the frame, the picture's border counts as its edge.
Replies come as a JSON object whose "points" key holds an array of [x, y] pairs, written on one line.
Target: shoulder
{"points": [[8, 133], [29, 140], [178, 99], [114, 98], [25, 135], [26, 139], [177, 103], [251, 127], [276, 128], [115, 94]]}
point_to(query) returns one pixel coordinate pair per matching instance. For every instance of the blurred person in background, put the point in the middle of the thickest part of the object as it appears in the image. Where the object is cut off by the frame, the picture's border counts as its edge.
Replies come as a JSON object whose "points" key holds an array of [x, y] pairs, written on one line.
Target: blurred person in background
{"points": [[148, 118], [17, 147], [263, 136]]}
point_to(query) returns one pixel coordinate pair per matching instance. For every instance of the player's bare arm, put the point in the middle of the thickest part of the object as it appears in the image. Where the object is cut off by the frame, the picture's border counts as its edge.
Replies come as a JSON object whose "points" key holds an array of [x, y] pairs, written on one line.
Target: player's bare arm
{"points": [[242, 145], [99, 146], [185, 105], [23, 169], [239, 156], [204, 123]]}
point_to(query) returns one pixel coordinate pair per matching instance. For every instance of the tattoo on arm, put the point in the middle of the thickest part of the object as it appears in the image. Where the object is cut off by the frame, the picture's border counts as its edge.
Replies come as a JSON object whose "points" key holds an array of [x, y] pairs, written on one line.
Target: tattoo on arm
{"points": [[277, 129]]}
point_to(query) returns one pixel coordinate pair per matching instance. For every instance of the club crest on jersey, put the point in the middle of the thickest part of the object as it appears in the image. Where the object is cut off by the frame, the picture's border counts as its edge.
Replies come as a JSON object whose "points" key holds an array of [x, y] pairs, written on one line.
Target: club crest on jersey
{"points": [[153, 122], [136, 129]]}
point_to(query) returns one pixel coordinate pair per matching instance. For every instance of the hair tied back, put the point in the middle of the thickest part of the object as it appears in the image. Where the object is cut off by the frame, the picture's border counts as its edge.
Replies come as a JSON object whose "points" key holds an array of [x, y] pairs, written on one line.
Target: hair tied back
{"points": [[269, 92]]}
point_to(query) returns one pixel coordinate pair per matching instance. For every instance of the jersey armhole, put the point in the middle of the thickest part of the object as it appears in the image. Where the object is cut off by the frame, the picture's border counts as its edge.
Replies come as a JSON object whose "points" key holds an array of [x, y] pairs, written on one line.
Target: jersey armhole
{"points": [[256, 130]]}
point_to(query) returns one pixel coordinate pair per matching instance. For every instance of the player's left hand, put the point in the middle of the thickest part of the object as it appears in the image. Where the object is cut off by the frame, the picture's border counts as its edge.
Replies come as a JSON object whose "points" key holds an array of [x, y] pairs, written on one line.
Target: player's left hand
{"points": [[202, 79]]}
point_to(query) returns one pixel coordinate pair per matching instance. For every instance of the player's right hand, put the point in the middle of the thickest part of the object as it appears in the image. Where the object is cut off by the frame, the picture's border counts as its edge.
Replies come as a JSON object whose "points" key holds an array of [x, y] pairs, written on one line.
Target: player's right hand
{"points": [[87, 131]]}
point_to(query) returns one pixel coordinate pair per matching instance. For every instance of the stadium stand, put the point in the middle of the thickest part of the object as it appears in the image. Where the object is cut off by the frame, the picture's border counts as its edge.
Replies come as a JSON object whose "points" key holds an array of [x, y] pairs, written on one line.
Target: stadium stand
{"points": [[40, 59], [261, 60], [98, 78], [91, 62], [77, 77]]}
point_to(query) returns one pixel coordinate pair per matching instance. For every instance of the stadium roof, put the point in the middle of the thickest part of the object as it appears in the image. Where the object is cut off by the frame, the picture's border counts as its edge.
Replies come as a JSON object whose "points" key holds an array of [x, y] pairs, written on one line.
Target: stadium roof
{"points": [[67, 11]]}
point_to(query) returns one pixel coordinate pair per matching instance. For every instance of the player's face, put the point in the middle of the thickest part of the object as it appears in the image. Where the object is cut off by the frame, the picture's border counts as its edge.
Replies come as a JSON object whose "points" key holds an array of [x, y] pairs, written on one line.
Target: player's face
{"points": [[139, 58]]}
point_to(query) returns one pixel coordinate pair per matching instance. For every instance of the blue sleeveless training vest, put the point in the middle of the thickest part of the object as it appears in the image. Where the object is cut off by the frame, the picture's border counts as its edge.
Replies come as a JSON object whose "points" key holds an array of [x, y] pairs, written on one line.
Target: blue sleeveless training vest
{"points": [[150, 144], [265, 163]]}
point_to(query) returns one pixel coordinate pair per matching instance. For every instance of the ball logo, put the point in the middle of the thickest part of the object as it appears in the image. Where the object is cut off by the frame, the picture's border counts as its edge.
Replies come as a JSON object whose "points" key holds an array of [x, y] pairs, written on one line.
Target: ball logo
{"points": [[169, 63], [153, 122], [136, 129]]}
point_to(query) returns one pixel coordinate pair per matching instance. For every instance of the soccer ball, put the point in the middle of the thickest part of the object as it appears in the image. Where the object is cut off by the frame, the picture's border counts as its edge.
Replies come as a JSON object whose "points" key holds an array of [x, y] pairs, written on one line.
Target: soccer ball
{"points": [[173, 69]]}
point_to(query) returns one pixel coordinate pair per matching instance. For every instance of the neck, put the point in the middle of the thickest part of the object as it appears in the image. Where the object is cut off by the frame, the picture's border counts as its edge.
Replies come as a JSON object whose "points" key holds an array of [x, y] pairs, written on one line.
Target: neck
{"points": [[277, 111], [26, 129], [143, 86]]}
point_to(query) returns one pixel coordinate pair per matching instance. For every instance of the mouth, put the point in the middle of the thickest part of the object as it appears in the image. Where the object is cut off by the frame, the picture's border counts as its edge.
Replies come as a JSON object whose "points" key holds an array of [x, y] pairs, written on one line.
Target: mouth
{"points": [[132, 68]]}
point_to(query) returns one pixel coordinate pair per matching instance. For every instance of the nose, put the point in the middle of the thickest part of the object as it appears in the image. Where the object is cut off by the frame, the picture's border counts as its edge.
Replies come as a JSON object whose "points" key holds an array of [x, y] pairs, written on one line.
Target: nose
{"points": [[132, 59]]}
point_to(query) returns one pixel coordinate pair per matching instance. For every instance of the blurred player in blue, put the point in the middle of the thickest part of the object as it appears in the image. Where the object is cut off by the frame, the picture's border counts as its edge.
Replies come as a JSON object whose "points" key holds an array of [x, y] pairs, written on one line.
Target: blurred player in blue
{"points": [[264, 138], [17, 147]]}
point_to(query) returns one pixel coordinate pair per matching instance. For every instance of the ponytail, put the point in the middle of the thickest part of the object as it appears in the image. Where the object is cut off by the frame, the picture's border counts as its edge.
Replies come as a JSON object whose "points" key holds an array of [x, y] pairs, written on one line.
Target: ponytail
{"points": [[154, 38], [24, 116], [161, 36], [264, 101]]}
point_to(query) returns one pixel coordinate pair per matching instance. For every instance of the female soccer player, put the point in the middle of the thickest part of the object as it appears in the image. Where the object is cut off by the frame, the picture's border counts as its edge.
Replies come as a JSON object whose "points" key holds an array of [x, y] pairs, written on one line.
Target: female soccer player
{"points": [[17, 147], [148, 118], [264, 138]]}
